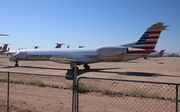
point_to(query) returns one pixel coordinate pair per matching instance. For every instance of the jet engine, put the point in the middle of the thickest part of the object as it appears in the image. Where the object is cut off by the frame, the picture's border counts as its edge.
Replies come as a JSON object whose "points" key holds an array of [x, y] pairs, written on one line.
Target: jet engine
{"points": [[112, 51]]}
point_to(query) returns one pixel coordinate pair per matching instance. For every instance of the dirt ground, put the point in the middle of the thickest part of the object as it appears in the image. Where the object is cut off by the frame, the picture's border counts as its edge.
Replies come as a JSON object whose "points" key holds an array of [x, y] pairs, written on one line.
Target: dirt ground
{"points": [[165, 69]]}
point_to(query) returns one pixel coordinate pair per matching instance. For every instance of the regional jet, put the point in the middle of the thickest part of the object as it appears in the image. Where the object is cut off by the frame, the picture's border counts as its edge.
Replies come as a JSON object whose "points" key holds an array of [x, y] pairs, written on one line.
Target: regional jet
{"points": [[155, 54], [84, 56]]}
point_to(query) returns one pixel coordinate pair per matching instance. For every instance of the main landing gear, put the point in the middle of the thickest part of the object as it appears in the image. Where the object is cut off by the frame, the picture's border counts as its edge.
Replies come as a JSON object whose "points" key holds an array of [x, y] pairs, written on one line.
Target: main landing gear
{"points": [[73, 67], [16, 65], [86, 67]]}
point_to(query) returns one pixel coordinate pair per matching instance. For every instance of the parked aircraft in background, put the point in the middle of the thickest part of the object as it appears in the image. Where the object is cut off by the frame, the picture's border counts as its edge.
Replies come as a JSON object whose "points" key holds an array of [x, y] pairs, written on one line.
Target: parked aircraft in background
{"points": [[81, 46], [9, 52], [175, 54], [171, 54], [144, 46], [59, 45], [155, 54], [4, 35], [36, 47], [3, 50]]}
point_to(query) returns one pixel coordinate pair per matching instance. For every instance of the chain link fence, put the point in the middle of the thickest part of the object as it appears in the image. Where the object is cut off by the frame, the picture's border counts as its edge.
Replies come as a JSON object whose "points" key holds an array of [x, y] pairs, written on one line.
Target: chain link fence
{"points": [[52, 93], [3, 91], [35, 93], [111, 95]]}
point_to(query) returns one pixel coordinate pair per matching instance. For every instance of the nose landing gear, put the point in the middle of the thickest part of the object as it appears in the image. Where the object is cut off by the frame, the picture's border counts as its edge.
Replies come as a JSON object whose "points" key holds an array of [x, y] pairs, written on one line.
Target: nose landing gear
{"points": [[16, 65]]}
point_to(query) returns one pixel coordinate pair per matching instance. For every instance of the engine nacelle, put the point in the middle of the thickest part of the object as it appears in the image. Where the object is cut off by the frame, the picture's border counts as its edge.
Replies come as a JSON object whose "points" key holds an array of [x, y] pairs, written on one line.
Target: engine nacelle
{"points": [[112, 51]]}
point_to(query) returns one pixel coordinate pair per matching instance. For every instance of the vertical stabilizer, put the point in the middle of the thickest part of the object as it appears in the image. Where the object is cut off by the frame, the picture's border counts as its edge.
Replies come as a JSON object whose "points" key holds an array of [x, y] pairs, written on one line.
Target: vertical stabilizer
{"points": [[150, 37]]}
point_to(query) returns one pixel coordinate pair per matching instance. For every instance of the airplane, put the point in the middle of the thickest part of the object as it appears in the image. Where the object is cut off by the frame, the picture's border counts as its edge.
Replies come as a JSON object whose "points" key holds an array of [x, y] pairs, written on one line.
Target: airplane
{"points": [[9, 52], [36, 47], [80, 46], [171, 54], [3, 50], [4, 35], [59, 45], [84, 56], [175, 55], [155, 54]]}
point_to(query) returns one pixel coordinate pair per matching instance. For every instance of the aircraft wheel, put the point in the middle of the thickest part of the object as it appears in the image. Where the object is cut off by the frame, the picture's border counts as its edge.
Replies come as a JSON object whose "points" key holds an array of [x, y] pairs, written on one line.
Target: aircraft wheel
{"points": [[145, 57], [86, 67], [16, 65]]}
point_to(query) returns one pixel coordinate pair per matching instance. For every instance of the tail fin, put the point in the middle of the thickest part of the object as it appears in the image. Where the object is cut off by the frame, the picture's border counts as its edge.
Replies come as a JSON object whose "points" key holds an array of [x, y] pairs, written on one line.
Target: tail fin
{"points": [[5, 47], [161, 53], [59, 45], [36, 47], [150, 37], [8, 49]]}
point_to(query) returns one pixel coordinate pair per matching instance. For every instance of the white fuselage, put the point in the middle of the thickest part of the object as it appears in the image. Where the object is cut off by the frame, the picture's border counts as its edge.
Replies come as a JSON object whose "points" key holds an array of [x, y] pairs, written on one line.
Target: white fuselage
{"points": [[78, 55]]}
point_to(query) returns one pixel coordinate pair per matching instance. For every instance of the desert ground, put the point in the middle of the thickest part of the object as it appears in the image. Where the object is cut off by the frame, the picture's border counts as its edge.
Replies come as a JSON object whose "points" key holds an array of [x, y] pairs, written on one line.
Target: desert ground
{"points": [[165, 69]]}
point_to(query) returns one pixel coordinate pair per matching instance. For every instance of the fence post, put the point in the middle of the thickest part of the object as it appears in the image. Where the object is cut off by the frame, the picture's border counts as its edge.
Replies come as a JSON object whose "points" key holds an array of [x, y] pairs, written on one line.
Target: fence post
{"points": [[8, 93], [74, 99], [176, 97]]}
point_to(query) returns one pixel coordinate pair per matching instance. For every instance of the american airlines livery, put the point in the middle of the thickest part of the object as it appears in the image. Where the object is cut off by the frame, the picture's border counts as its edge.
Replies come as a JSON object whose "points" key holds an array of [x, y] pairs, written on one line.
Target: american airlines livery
{"points": [[83, 56]]}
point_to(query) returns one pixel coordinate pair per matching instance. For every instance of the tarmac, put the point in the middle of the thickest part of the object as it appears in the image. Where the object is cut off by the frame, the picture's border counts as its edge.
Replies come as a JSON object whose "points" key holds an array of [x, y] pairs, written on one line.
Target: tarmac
{"points": [[163, 69]]}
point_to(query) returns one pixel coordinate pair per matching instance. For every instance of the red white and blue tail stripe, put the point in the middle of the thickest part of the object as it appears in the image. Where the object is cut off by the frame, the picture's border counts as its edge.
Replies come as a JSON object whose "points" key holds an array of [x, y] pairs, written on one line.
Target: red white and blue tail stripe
{"points": [[150, 37]]}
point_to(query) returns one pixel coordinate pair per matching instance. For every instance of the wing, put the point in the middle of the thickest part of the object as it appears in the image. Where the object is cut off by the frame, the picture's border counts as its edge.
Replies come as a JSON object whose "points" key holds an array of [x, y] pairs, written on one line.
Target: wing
{"points": [[65, 60]]}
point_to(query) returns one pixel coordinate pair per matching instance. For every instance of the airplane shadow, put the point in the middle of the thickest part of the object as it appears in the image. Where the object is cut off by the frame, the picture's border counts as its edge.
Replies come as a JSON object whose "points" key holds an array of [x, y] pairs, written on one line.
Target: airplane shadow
{"points": [[99, 70], [132, 62], [80, 72], [145, 74], [137, 74], [35, 67]]}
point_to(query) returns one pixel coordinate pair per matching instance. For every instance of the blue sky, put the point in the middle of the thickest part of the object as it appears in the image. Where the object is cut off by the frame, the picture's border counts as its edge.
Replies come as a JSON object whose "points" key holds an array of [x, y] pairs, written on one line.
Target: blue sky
{"points": [[91, 23]]}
